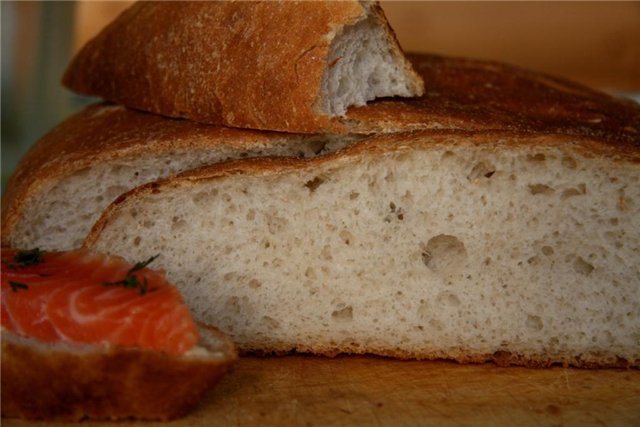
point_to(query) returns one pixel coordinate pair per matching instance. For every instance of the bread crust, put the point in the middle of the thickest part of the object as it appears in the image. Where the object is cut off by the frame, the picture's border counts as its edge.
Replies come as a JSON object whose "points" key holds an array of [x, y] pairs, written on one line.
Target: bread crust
{"points": [[239, 64], [70, 382], [470, 94], [459, 355]]}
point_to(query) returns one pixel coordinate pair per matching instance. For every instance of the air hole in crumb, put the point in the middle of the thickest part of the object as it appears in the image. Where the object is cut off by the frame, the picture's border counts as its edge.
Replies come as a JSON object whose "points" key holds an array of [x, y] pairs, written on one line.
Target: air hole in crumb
{"points": [[326, 253], [582, 267], [313, 184], [270, 322], [447, 154], [534, 323], [346, 237], [177, 223], [547, 250], [540, 189], [448, 298], [396, 213], [424, 309], [390, 177], [254, 283], [569, 162], [444, 253], [310, 273], [538, 157], [137, 240], [205, 199], [480, 170], [343, 314], [534, 260], [353, 195], [234, 304], [571, 192], [436, 324]]}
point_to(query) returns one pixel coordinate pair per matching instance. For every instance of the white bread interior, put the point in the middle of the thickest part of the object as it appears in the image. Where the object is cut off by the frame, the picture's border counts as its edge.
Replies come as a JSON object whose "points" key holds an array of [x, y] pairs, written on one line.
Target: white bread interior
{"points": [[432, 247], [61, 210], [363, 64]]}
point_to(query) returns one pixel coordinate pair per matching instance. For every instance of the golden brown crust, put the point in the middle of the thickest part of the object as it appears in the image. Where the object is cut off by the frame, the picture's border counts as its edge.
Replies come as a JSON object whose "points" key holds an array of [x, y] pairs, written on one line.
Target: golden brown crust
{"points": [[470, 94], [240, 64], [72, 382], [460, 355], [587, 360]]}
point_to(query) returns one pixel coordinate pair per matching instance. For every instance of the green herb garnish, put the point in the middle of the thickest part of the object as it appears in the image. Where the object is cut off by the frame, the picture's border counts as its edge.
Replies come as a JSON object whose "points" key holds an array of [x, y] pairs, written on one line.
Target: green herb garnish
{"points": [[25, 258], [17, 285], [131, 281], [29, 257]]}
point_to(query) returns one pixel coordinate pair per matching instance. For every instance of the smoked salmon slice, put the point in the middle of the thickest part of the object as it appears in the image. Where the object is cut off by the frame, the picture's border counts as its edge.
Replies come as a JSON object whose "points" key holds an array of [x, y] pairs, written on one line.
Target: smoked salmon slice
{"points": [[83, 297]]}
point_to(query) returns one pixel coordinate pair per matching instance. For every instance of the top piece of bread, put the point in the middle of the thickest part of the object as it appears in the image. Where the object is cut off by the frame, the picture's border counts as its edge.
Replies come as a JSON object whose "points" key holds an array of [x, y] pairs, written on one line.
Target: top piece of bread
{"points": [[285, 66]]}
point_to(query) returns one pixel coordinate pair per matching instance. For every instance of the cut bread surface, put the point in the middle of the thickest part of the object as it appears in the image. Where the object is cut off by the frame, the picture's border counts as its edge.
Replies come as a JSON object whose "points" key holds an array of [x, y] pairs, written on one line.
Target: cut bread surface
{"points": [[428, 245], [362, 67], [65, 181]]}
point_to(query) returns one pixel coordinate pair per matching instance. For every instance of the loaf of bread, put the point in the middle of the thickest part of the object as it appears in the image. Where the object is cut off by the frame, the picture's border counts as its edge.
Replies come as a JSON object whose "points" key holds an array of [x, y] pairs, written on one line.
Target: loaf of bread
{"points": [[69, 176], [516, 247], [70, 382], [286, 66]]}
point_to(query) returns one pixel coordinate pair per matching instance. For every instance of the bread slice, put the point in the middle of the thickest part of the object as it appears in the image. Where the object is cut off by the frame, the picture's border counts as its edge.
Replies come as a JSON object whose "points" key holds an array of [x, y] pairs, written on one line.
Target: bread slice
{"points": [[514, 247], [68, 177], [286, 66], [70, 382]]}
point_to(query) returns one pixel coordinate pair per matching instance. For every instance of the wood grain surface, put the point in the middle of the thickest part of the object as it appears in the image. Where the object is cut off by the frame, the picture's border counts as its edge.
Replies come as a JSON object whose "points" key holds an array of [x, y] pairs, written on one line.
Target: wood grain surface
{"points": [[371, 391]]}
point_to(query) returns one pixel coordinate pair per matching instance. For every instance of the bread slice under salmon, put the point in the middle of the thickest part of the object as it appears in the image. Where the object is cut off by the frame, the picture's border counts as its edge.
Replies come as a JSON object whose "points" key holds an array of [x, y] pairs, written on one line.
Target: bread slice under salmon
{"points": [[285, 66], [509, 246], [71, 382]]}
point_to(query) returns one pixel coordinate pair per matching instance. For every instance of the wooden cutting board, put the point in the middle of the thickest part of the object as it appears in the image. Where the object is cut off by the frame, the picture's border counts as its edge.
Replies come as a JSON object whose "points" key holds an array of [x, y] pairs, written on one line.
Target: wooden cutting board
{"points": [[371, 391]]}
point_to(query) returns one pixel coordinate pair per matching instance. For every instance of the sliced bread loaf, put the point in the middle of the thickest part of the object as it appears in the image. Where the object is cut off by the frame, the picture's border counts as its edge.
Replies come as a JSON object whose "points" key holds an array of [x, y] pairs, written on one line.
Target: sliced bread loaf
{"points": [[286, 66], [473, 246]]}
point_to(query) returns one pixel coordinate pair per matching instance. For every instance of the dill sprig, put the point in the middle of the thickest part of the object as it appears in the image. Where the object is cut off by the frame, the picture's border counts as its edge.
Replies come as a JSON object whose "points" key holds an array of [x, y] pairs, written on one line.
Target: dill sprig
{"points": [[25, 258], [131, 281], [15, 286]]}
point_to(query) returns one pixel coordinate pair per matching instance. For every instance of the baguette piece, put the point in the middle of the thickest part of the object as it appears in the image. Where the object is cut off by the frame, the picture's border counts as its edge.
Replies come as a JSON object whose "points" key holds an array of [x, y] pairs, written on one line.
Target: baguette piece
{"points": [[285, 66], [68, 177], [70, 382], [473, 246]]}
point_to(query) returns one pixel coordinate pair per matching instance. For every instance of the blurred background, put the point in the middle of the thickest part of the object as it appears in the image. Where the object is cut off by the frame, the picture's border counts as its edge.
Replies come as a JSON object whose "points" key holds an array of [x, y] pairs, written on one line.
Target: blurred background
{"points": [[596, 43]]}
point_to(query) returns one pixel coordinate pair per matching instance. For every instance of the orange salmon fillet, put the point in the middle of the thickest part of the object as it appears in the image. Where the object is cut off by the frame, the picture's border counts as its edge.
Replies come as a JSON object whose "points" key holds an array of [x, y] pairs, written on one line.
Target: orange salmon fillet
{"points": [[88, 298]]}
